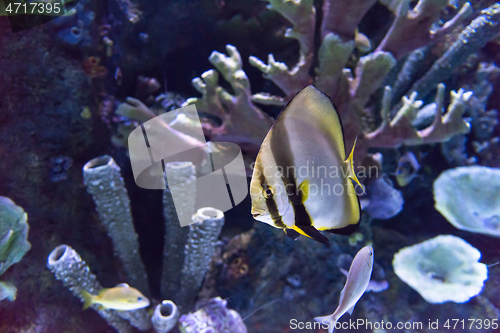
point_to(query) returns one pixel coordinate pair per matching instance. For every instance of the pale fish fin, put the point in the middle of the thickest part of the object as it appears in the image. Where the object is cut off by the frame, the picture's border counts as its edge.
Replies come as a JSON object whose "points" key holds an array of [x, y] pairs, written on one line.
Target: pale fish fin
{"points": [[327, 320], [123, 285], [87, 299], [304, 189], [350, 310], [352, 173]]}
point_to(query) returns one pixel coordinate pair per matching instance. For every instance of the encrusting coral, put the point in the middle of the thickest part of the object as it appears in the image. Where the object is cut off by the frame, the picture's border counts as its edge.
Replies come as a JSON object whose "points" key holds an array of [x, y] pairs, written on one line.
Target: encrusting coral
{"points": [[469, 198], [442, 269]]}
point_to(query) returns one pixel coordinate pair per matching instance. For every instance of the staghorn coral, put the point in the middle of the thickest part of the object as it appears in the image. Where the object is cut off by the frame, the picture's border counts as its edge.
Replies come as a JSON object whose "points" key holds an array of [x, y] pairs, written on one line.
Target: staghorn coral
{"points": [[239, 116], [483, 122], [351, 92], [481, 30]]}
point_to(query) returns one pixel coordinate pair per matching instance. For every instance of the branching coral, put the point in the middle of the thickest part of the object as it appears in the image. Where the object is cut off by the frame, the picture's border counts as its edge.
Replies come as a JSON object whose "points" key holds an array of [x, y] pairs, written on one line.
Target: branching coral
{"points": [[351, 92], [242, 122]]}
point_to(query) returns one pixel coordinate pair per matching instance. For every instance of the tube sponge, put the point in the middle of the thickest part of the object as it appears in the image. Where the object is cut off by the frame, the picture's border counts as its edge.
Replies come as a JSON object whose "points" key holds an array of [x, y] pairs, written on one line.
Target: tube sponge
{"points": [[74, 273], [442, 269], [469, 198], [104, 182], [175, 235], [165, 317], [200, 249]]}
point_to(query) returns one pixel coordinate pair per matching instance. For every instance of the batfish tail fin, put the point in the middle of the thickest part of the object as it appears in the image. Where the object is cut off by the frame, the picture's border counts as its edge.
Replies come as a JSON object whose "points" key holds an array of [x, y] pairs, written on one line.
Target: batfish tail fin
{"points": [[327, 320], [352, 173], [87, 299]]}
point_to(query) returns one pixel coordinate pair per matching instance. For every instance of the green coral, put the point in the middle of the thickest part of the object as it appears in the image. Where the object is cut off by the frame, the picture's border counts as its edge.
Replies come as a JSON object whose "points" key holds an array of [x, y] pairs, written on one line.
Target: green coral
{"points": [[13, 241]]}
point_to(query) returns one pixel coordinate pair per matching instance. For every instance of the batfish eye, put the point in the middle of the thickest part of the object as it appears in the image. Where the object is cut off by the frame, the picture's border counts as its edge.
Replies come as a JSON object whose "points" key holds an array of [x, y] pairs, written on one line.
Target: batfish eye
{"points": [[268, 193]]}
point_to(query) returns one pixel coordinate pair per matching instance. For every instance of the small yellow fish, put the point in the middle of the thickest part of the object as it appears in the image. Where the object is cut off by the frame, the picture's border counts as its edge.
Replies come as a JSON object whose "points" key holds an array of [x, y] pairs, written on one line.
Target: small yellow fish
{"points": [[362, 42], [407, 169], [121, 297], [301, 181]]}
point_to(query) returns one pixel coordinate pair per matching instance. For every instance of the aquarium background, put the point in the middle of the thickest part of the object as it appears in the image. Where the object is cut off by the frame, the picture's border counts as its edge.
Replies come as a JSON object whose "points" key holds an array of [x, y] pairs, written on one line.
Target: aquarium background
{"points": [[73, 89]]}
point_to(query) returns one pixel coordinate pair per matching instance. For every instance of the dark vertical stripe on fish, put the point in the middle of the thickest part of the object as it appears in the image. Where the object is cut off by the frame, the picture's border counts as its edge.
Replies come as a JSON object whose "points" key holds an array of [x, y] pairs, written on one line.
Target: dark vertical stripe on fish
{"points": [[284, 158], [270, 203]]}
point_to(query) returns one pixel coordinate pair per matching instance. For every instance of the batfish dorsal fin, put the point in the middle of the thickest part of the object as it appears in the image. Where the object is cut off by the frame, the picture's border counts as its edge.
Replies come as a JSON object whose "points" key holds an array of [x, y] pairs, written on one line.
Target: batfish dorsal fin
{"points": [[310, 106]]}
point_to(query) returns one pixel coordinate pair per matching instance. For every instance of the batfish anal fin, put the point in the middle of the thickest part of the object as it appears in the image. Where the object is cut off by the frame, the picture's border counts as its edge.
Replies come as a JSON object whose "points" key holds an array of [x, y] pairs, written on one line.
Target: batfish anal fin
{"points": [[291, 233], [352, 172], [312, 232]]}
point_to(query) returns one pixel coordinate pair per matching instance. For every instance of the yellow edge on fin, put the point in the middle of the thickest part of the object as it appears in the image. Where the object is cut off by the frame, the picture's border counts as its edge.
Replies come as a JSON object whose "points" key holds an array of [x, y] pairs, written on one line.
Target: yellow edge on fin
{"points": [[350, 160], [304, 189], [300, 231]]}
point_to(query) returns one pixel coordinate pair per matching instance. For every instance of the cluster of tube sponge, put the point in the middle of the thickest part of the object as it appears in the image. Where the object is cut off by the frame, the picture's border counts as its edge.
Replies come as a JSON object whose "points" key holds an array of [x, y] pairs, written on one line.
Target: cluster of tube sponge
{"points": [[188, 250]]}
